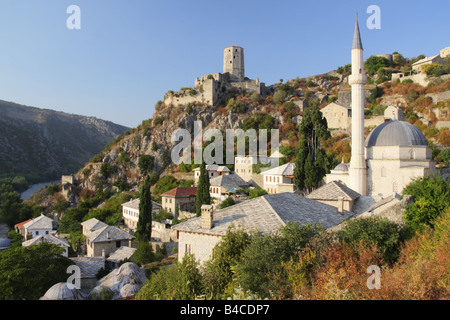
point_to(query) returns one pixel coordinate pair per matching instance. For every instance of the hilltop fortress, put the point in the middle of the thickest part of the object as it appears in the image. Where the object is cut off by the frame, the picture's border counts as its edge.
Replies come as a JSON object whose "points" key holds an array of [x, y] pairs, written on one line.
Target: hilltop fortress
{"points": [[211, 88]]}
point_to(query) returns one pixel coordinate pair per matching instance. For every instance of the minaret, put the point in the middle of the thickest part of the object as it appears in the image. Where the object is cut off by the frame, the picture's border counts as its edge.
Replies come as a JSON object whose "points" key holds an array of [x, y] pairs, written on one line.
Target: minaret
{"points": [[358, 168]]}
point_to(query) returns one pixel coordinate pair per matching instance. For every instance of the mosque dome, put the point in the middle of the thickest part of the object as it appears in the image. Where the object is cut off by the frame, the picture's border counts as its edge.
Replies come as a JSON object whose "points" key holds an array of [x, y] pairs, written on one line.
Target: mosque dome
{"points": [[396, 133], [341, 166], [63, 291]]}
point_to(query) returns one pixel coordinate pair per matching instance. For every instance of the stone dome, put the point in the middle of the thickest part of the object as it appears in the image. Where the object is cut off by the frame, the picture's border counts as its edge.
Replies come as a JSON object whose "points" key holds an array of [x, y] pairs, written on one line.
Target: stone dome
{"points": [[63, 291], [341, 166], [5, 243], [396, 133]]}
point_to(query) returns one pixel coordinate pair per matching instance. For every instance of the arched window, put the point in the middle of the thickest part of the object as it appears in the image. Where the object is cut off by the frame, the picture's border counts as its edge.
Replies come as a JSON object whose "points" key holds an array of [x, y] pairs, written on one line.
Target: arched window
{"points": [[412, 154]]}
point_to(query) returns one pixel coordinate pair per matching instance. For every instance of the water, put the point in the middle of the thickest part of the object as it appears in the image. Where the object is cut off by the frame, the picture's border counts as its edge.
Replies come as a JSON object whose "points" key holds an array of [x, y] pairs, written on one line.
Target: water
{"points": [[36, 187]]}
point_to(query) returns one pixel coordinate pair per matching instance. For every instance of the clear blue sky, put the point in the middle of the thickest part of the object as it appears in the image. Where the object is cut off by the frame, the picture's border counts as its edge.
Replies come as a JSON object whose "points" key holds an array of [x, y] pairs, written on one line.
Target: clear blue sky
{"points": [[129, 53]]}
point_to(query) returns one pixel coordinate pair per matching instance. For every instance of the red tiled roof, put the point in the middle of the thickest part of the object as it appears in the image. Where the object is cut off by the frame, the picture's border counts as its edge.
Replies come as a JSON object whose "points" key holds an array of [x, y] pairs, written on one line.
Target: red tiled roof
{"points": [[20, 225], [181, 192]]}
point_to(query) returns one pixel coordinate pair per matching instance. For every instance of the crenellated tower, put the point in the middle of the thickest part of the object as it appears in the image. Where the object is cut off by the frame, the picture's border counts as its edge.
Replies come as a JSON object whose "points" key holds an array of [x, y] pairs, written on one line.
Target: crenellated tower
{"points": [[233, 62], [358, 168]]}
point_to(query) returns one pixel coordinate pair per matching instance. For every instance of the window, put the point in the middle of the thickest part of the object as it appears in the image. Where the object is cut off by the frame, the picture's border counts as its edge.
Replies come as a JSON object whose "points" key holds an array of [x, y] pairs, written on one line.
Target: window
{"points": [[411, 154], [383, 172], [37, 233], [188, 248], [46, 232], [117, 244]]}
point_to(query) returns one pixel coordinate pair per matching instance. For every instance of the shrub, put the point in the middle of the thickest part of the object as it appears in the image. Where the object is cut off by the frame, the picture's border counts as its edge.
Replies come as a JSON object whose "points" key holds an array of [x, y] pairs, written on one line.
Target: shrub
{"points": [[255, 193], [227, 202], [279, 97]]}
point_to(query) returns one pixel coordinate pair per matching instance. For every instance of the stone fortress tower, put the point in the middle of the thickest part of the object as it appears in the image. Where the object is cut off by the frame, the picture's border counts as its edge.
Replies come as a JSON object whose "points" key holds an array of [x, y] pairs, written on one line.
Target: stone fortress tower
{"points": [[233, 63], [358, 169], [210, 88]]}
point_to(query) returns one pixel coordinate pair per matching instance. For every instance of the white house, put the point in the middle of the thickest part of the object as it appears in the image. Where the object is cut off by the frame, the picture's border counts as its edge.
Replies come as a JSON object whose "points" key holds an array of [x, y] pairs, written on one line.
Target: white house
{"points": [[130, 212], [106, 240], [243, 165], [279, 179], [49, 238], [222, 187], [214, 170], [41, 225]]}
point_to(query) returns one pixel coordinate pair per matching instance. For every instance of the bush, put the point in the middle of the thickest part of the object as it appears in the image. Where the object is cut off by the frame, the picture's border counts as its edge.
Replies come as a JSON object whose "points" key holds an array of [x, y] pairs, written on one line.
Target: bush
{"points": [[146, 164], [279, 97], [227, 202], [374, 231], [236, 106], [374, 63], [445, 156], [255, 193], [431, 196], [143, 254]]}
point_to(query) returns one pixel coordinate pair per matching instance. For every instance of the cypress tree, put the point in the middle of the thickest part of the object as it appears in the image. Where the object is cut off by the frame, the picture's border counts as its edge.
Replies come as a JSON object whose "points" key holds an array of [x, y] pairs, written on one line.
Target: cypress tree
{"points": [[311, 163], [203, 186], [144, 225]]}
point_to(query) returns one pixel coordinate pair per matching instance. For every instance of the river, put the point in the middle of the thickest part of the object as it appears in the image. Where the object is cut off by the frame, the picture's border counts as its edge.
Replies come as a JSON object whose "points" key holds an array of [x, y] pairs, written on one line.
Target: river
{"points": [[36, 187]]}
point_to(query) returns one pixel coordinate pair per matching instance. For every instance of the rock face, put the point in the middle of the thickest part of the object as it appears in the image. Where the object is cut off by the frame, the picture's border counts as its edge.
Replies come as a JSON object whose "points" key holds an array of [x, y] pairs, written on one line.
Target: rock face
{"points": [[45, 143]]}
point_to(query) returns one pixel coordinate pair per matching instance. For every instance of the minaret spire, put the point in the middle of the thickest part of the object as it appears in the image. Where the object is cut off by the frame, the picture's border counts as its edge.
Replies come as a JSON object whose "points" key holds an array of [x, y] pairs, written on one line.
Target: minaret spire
{"points": [[358, 168]]}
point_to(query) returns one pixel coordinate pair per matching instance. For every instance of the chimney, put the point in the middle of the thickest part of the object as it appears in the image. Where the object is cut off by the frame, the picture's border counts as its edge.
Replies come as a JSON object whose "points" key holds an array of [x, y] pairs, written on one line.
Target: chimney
{"points": [[103, 253], [107, 234], [207, 218], [340, 205]]}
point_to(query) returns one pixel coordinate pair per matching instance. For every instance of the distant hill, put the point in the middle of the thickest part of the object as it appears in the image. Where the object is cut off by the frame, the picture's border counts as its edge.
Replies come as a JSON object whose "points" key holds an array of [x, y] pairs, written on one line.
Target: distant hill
{"points": [[43, 144]]}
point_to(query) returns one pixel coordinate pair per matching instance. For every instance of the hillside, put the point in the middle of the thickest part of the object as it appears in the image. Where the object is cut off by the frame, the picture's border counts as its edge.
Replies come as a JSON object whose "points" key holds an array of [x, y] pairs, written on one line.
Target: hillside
{"points": [[42, 144], [280, 106]]}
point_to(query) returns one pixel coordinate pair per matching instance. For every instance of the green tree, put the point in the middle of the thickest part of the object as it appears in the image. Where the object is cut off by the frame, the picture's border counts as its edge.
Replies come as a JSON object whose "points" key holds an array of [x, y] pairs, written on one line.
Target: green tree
{"points": [[203, 186], [311, 162], [144, 225], [256, 192], [146, 164], [263, 256], [143, 254], [26, 273], [445, 155], [180, 281], [374, 63], [219, 270], [279, 97]]}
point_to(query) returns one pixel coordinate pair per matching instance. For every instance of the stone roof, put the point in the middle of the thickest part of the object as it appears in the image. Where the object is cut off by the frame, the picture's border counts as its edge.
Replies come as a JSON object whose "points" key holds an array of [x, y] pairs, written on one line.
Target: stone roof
{"points": [[228, 182], [396, 133], [93, 224], [181, 192], [357, 43], [121, 254], [107, 234], [49, 238], [343, 105], [426, 59], [134, 204], [284, 170], [267, 214], [333, 191], [89, 266], [41, 222]]}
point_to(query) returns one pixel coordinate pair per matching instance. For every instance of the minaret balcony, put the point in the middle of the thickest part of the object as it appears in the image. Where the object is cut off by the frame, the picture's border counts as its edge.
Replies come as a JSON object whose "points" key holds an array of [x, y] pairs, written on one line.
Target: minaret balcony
{"points": [[357, 79]]}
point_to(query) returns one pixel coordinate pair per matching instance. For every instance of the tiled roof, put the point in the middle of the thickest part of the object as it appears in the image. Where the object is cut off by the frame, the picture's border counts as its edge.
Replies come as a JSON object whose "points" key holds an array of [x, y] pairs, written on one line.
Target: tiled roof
{"points": [[49, 238], [181, 192], [284, 170], [93, 224], [109, 233], [333, 191], [41, 222], [267, 214], [228, 182], [21, 224]]}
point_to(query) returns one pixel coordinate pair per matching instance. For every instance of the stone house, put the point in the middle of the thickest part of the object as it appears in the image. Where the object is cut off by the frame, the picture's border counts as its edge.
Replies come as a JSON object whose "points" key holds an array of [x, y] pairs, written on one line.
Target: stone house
{"points": [[183, 197], [266, 214], [243, 165], [92, 225], [335, 194], [394, 113], [338, 115], [104, 241], [224, 186], [417, 66]]}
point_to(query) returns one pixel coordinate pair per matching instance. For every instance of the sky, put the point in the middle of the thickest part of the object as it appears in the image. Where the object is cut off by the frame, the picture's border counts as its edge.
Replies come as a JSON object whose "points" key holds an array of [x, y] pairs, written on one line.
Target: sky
{"points": [[128, 54]]}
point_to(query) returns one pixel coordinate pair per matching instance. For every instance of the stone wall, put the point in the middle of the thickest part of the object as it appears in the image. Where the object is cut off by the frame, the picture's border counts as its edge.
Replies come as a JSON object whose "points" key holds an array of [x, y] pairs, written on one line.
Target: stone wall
{"points": [[200, 245]]}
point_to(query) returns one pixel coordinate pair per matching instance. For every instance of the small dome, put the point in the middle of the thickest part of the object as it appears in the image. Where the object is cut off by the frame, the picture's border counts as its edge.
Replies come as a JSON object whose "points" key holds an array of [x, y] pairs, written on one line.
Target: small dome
{"points": [[341, 166], [396, 133], [63, 291], [5, 243]]}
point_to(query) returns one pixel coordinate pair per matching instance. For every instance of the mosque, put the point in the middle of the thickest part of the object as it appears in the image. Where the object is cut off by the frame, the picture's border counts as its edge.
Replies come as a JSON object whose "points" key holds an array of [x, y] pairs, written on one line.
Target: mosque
{"points": [[394, 153]]}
